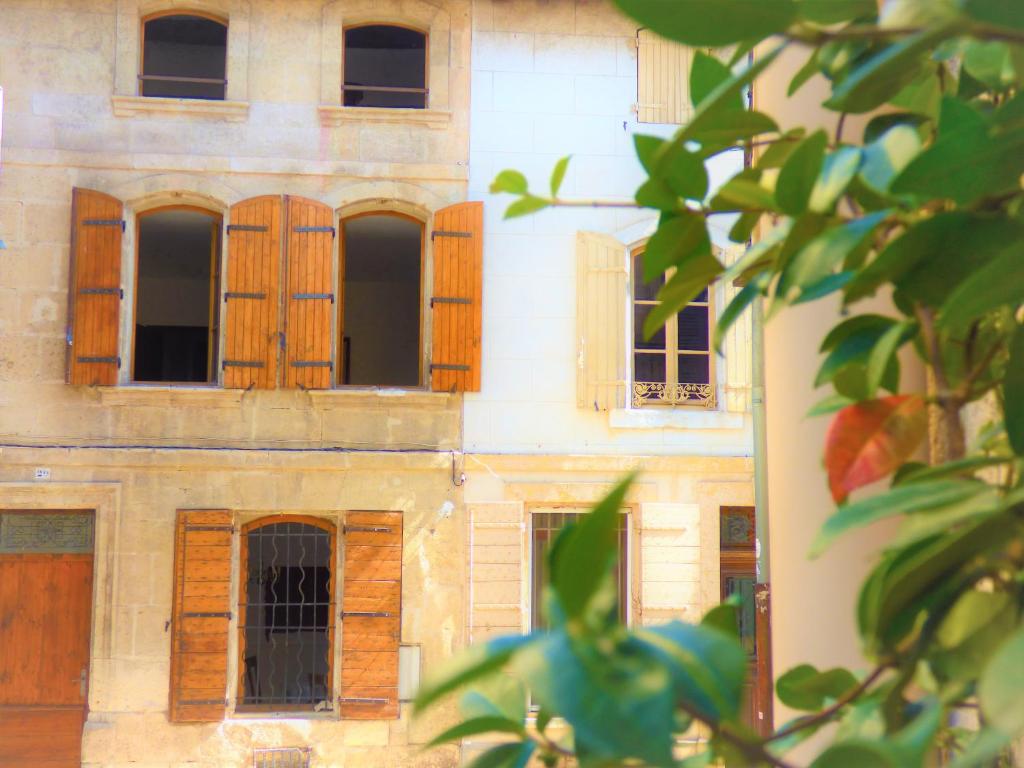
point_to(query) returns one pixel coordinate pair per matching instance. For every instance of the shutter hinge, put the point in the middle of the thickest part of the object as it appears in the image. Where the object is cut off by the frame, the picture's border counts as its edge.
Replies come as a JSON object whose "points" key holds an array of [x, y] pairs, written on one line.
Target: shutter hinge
{"points": [[228, 528], [242, 364], [314, 229], [449, 300], [103, 223], [243, 295], [247, 228], [367, 614], [448, 367], [312, 364], [367, 528], [202, 702], [116, 360], [363, 700], [119, 292], [302, 296], [206, 615], [448, 233]]}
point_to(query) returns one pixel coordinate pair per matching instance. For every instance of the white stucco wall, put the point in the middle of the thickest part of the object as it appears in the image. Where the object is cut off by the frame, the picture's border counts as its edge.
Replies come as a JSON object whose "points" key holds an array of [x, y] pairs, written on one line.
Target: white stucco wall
{"points": [[551, 79]]}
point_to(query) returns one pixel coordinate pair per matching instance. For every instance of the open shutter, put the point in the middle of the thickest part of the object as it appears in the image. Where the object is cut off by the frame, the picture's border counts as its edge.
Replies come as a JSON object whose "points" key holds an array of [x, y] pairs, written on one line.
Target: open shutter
{"points": [[662, 84], [251, 295], [602, 295], [94, 299], [201, 615], [456, 303], [737, 345], [309, 297], [371, 616]]}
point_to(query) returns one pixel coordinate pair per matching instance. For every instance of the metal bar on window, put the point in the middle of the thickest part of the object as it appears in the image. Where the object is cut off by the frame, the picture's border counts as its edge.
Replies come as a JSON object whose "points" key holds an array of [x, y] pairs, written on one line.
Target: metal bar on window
{"points": [[177, 79], [384, 89]]}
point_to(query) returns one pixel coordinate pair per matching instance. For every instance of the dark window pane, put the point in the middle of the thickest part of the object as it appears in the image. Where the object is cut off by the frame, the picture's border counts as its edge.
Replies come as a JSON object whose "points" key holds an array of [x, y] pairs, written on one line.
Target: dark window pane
{"points": [[694, 369], [640, 313], [744, 587], [642, 290], [177, 48], [693, 328], [702, 296], [379, 56], [649, 367]]}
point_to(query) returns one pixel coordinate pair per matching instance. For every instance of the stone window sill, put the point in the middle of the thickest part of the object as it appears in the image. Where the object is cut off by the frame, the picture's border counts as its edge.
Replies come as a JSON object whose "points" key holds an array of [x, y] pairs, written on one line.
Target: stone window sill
{"points": [[138, 106], [334, 115], [673, 418], [170, 397], [213, 396]]}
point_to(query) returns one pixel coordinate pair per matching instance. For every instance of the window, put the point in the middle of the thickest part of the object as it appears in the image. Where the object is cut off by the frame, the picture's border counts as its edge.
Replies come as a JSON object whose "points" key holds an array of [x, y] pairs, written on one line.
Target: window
{"points": [[385, 66], [381, 300], [184, 56], [662, 84], [674, 367], [545, 525], [176, 289], [286, 633]]}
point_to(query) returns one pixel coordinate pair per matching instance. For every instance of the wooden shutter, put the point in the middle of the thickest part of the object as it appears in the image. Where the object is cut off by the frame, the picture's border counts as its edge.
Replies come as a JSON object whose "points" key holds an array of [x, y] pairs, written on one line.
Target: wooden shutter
{"points": [[371, 616], [94, 298], [309, 297], [251, 295], [662, 82], [456, 304], [201, 615], [737, 344], [602, 295]]}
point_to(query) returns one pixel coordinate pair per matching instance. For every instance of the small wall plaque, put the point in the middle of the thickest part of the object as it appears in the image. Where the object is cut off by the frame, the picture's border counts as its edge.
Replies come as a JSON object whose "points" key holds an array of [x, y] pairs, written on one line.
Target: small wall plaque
{"points": [[29, 532]]}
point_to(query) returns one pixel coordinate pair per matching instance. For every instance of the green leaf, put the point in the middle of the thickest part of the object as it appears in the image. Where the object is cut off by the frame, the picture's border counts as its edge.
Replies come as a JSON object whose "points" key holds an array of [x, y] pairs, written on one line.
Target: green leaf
{"points": [[510, 755], [805, 73], [1013, 386], [989, 63], [1001, 13], [646, 149], [743, 228], [727, 127], [880, 124], [999, 689], [699, 23], [589, 550], [807, 689], [735, 308], [543, 718], [839, 169], [558, 175], [657, 194], [858, 754], [828, 405], [970, 634], [982, 750], [850, 342], [882, 76], [997, 283], [921, 95], [682, 170], [800, 173], [725, 616], [902, 499], [881, 356], [835, 11], [479, 661], [496, 696], [682, 288], [913, 741], [890, 154], [706, 74], [510, 181], [525, 205], [477, 726], [778, 151], [675, 239]]}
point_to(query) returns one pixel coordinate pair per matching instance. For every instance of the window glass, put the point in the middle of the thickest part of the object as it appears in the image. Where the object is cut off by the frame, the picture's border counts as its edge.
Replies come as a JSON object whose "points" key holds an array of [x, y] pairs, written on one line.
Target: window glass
{"points": [[380, 324], [286, 619], [385, 66], [184, 57], [175, 303]]}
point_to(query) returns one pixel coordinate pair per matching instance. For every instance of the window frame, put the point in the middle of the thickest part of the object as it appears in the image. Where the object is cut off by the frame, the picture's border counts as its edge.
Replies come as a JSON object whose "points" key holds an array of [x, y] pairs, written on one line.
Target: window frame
{"points": [[251, 710], [216, 331], [426, 65], [631, 600], [339, 292], [670, 396], [141, 73]]}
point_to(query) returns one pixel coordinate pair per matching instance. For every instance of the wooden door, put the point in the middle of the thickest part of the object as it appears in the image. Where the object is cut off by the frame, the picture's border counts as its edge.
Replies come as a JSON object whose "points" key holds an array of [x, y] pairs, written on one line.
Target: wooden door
{"points": [[46, 571]]}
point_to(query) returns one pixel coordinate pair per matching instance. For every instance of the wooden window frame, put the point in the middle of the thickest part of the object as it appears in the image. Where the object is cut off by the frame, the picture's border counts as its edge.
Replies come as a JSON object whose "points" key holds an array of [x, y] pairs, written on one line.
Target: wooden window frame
{"points": [[425, 90], [142, 76], [670, 395], [214, 345], [339, 345], [633, 583], [331, 527]]}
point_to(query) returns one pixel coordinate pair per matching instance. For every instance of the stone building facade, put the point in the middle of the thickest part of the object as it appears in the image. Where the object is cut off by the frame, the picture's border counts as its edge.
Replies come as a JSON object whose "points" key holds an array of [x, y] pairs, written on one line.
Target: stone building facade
{"points": [[495, 419]]}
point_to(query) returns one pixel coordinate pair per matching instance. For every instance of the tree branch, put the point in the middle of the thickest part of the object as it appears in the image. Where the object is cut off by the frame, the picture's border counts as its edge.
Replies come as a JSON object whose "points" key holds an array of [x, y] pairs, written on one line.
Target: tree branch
{"points": [[949, 402]]}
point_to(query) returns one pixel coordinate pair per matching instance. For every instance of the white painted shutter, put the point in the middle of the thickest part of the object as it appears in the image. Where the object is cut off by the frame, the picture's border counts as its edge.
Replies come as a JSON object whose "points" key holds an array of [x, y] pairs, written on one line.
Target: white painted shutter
{"points": [[602, 295], [497, 605], [737, 343], [663, 80]]}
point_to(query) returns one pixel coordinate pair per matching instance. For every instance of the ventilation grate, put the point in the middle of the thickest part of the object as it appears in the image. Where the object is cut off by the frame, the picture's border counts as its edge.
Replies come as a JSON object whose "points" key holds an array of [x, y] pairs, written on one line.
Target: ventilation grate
{"points": [[281, 757]]}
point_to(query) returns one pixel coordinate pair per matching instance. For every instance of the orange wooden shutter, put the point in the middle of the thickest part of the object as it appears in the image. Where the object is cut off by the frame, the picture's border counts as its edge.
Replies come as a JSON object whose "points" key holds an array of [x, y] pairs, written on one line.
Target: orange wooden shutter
{"points": [[251, 295], [201, 615], [94, 300], [457, 301], [371, 616], [309, 297]]}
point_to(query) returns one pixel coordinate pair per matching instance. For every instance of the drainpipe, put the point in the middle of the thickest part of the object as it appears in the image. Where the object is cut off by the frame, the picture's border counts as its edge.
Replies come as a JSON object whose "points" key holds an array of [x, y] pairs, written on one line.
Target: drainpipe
{"points": [[762, 552]]}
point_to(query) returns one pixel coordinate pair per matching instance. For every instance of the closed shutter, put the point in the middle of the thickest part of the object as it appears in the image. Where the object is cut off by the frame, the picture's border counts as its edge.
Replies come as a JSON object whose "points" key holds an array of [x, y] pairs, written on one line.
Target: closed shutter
{"points": [[251, 295], [737, 344], [663, 72], [309, 297], [94, 300], [456, 303], [371, 616], [201, 615], [602, 295]]}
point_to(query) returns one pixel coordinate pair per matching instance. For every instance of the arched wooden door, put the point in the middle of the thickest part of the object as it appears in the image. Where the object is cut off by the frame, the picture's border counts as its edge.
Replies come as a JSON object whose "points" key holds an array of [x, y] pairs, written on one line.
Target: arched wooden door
{"points": [[46, 572]]}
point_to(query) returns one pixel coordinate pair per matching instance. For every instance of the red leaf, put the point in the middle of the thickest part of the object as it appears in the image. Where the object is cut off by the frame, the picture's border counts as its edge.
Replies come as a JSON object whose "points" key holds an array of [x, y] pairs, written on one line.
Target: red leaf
{"points": [[867, 441]]}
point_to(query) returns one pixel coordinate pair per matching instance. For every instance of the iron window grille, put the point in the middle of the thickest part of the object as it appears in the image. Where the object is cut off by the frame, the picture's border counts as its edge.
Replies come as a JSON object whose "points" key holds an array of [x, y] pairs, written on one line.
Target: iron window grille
{"points": [[385, 66], [286, 628]]}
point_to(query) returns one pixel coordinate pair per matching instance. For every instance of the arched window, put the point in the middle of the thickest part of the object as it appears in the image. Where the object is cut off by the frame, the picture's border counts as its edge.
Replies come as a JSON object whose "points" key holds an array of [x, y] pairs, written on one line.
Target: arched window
{"points": [[184, 56], [285, 617], [176, 289], [381, 276], [385, 66]]}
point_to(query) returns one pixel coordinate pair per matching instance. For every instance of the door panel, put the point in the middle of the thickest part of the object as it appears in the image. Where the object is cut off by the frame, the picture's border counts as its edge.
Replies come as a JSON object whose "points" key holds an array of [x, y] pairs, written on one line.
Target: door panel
{"points": [[45, 615]]}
